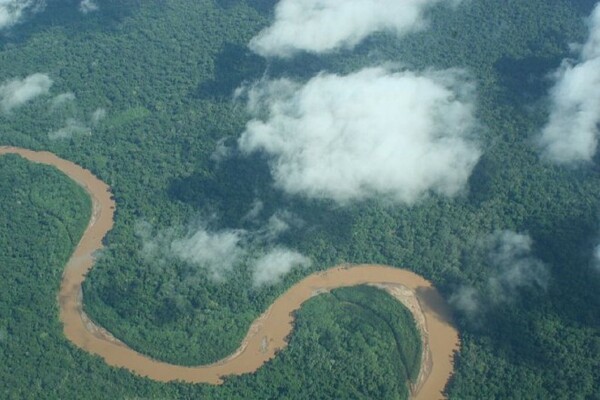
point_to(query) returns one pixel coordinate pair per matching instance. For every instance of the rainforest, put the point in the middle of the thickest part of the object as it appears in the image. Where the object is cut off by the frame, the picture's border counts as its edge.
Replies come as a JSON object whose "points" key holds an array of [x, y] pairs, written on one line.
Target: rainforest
{"points": [[249, 145]]}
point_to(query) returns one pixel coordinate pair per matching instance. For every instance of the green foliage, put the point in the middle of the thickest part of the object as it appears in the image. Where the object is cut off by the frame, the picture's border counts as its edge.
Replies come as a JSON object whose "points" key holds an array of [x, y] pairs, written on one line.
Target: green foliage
{"points": [[352, 352], [383, 314], [164, 72], [360, 336]]}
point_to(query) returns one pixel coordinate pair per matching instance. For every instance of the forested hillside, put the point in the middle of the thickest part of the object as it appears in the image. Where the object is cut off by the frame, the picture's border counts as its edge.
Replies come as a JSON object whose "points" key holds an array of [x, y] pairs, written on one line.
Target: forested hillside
{"points": [[141, 93]]}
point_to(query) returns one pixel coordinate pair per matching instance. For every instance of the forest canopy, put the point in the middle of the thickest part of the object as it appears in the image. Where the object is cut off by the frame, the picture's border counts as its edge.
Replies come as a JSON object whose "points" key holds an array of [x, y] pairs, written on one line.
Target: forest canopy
{"points": [[201, 124]]}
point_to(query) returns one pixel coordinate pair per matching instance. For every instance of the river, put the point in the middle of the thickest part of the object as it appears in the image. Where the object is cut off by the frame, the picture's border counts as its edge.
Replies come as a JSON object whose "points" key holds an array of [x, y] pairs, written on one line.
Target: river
{"points": [[267, 334]]}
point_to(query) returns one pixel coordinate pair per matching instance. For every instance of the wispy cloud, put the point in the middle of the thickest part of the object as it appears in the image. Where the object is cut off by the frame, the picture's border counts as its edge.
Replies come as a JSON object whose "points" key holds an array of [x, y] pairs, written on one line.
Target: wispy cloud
{"points": [[13, 11], [222, 151], [98, 115], [255, 210], [466, 299], [61, 99], [512, 268], [372, 133], [320, 26], [277, 224], [515, 267], [596, 259], [16, 92], [219, 252], [88, 6], [277, 263], [73, 127], [75, 124], [571, 134]]}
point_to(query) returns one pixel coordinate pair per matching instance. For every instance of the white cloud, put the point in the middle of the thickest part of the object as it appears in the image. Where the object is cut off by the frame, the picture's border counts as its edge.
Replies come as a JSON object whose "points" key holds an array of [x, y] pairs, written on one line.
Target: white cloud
{"points": [[571, 133], [13, 11], [279, 223], [16, 92], [596, 262], [512, 268], [273, 266], [466, 299], [61, 99], [368, 134], [98, 115], [218, 252], [73, 127], [515, 268], [255, 210], [87, 6], [221, 152], [319, 26]]}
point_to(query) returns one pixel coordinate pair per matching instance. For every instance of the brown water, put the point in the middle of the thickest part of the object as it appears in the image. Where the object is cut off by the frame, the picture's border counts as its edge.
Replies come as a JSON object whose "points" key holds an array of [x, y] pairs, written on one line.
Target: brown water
{"points": [[267, 335]]}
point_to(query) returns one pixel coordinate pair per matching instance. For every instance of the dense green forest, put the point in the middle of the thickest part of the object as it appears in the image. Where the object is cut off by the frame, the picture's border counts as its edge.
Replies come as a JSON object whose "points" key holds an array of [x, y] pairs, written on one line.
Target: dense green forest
{"points": [[151, 86], [358, 342]]}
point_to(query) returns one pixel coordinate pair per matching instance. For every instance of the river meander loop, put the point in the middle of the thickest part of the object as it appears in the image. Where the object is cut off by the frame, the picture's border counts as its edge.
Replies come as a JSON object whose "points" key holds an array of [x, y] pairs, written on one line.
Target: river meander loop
{"points": [[267, 334]]}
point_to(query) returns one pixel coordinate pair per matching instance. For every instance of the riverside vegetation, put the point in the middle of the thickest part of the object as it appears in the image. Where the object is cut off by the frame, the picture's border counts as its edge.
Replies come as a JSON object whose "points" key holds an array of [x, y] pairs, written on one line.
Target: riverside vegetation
{"points": [[164, 72], [351, 332], [268, 334]]}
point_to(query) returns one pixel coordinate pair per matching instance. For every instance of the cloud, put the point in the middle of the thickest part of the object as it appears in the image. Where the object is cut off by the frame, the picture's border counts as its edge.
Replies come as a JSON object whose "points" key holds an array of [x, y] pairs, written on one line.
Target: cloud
{"points": [[372, 133], [61, 99], [98, 115], [72, 128], [277, 224], [273, 266], [13, 11], [512, 268], [515, 268], [87, 6], [319, 26], [16, 92], [255, 210], [596, 262], [571, 134], [221, 152], [218, 253], [466, 299]]}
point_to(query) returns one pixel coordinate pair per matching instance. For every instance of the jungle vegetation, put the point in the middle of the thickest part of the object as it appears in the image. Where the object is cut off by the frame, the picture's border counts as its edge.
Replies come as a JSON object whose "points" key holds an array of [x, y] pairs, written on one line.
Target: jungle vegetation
{"points": [[164, 72]]}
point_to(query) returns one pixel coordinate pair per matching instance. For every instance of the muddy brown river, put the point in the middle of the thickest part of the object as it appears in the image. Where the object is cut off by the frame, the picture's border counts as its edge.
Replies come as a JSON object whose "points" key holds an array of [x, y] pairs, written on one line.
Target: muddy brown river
{"points": [[267, 334]]}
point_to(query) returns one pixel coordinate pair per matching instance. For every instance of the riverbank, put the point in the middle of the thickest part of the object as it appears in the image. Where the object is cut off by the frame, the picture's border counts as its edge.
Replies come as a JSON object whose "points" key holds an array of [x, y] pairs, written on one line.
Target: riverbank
{"points": [[268, 334]]}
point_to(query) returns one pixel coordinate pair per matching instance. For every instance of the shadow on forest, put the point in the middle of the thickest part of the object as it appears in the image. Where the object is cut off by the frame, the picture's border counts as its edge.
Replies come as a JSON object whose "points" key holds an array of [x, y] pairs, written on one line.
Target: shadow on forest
{"points": [[565, 245], [262, 6], [480, 183], [234, 65], [585, 6], [564, 239], [65, 13], [230, 188], [525, 80], [303, 66]]}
